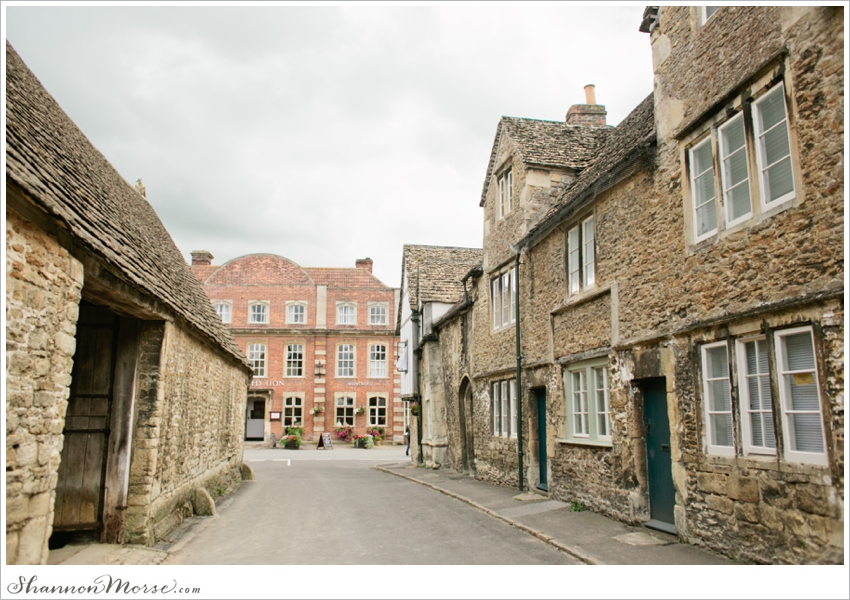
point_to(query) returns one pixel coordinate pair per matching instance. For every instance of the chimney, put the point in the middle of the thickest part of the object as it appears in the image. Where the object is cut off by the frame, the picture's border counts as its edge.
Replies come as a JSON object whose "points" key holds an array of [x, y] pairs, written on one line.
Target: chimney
{"points": [[201, 258], [364, 263], [587, 114]]}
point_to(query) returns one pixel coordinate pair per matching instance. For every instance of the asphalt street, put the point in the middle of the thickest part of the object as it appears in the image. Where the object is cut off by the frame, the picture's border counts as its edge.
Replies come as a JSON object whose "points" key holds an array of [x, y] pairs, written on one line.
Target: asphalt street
{"points": [[321, 507]]}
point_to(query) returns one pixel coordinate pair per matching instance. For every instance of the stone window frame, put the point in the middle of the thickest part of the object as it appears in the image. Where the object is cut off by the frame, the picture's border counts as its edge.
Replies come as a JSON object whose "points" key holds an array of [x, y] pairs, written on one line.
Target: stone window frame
{"points": [[504, 278], [349, 409], [343, 305], [293, 407], [286, 359], [374, 412], [339, 361], [373, 309], [588, 372], [258, 363], [705, 14], [780, 411], [578, 246], [266, 313], [373, 362], [291, 305], [503, 408], [748, 105], [220, 304], [505, 191]]}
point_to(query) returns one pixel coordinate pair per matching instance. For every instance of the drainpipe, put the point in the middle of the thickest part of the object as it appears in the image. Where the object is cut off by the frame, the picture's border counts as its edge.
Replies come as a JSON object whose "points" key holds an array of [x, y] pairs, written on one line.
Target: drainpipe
{"points": [[518, 371], [417, 353]]}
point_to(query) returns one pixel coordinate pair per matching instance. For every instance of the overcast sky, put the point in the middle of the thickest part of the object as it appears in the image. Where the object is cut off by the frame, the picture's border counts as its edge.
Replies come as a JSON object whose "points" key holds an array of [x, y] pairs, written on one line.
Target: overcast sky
{"points": [[323, 134]]}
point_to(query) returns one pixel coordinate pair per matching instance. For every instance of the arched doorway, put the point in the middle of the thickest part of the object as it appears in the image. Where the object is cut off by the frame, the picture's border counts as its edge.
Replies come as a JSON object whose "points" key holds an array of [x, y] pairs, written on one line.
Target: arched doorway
{"points": [[467, 446]]}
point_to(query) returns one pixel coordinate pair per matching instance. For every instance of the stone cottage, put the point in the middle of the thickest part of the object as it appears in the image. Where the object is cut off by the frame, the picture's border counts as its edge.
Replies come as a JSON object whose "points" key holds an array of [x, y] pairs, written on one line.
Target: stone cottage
{"points": [[124, 392], [434, 290], [676, 299]]}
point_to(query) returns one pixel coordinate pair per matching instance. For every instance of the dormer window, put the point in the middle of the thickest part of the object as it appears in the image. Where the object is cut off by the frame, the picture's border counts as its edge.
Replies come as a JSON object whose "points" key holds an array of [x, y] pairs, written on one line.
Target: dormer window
{"points": [[506, 194]]}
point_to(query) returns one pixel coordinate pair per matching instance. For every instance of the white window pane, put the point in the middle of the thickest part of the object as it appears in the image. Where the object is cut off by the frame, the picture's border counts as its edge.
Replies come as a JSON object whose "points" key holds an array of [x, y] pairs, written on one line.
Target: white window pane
{"points": [[573, 250], [702, 159], [775, 145], [721, 429], [706, 218], [589, 266], [799, 353], [506, 298], [497, 304], [779, 180], [806, 433], [717, 361], [771, 110]]}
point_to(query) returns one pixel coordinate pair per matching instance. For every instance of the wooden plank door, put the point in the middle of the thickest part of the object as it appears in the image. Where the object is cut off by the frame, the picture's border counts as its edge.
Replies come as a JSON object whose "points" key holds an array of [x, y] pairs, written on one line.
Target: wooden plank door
{"points": [[79, 490]]}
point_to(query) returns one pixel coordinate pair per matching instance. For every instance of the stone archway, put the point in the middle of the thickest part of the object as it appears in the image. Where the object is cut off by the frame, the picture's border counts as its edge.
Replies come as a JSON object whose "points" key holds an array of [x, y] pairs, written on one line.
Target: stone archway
{"points": [[467, 439]]}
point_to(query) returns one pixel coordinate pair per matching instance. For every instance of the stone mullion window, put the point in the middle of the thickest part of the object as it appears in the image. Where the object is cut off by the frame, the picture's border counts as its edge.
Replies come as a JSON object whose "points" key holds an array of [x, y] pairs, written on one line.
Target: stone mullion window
{"points": [[773, 147], [717, 397], [503, 299], [504, 408], [587, 402], [702, 190], [506, 194], [581, 256], [735, 176]]}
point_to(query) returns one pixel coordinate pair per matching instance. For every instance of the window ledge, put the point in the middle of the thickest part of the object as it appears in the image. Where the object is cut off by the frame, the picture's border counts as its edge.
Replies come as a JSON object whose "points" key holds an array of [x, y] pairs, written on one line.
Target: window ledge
{"points": [[581, 298], [579, 442]]}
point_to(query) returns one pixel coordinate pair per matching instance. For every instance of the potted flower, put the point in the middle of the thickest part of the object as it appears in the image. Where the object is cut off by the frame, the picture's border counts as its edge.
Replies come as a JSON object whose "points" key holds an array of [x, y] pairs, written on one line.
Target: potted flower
{"points": [[377, 434], [317, 410], [291, 440], [360, 410], [345, 433], [364, 441]]}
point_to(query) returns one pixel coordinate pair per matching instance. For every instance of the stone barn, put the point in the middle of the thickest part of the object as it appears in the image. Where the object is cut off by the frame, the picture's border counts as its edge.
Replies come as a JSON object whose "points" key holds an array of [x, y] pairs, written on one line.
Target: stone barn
{"points": [[124, 391]]}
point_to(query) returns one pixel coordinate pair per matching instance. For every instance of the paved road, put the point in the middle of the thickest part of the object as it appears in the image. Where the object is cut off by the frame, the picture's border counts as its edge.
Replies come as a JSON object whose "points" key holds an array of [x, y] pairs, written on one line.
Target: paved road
{"points": [[318, 507]]}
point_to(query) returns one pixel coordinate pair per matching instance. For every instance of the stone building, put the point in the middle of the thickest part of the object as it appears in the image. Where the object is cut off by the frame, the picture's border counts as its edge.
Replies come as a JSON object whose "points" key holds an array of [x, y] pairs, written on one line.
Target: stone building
{"points": [[124, 393], [433, 291], [679, 297], [321, 341]]}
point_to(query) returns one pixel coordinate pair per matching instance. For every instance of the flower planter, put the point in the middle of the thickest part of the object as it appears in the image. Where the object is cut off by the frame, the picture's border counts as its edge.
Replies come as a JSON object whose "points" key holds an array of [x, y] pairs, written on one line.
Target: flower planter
{"points": [[291, 445]]}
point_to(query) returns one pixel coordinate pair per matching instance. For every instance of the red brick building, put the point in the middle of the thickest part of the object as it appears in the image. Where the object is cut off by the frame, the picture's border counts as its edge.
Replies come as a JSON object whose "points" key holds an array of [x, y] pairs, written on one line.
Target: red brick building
{"points": [[322, 343]]}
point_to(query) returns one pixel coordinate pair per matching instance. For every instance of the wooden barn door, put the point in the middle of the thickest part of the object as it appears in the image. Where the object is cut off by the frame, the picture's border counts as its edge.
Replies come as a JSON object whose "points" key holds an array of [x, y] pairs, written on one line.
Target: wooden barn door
{"points": [[79, 490]]}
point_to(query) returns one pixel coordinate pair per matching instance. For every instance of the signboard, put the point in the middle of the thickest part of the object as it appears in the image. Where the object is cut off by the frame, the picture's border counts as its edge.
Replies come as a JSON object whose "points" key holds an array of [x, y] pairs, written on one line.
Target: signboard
{"points": [[274, 416], [325, 442]]}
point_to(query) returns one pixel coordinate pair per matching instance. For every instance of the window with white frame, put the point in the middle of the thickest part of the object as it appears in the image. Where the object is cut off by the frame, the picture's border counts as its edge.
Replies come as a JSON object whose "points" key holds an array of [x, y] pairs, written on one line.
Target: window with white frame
{"points": [[721, 161], [503, 298], [257, 359], [377, 314], [504, 407], [292, 411], [344, 411], [377, 360], [799, 404], [588, 402], [581, 256], [706, 12], [345, 360], [223, 309], [294, 360], [377, 411], [506, 193], [258, 313], [296, 313], [346, 313]]}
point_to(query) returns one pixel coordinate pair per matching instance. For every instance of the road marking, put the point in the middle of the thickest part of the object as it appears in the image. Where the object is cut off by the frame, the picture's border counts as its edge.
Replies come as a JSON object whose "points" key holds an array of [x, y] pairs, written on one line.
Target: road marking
{"points": [[257, 460], [286, 460]]}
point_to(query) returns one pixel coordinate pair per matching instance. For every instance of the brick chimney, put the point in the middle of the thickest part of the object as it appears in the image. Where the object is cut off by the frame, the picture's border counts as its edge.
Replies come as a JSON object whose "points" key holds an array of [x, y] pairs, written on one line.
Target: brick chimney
{"points": [[590, 113], [364, 263], [201, 258]]}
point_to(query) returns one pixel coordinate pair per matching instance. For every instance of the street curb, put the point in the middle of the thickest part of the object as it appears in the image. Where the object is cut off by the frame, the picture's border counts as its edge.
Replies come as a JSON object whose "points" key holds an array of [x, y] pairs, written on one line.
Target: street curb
{"points": [[572, 551]]}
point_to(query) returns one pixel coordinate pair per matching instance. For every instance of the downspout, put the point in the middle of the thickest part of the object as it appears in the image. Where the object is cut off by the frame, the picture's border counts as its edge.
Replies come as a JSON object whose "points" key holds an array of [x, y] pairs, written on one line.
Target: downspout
{"points": [[518, 371], [417, 353]]}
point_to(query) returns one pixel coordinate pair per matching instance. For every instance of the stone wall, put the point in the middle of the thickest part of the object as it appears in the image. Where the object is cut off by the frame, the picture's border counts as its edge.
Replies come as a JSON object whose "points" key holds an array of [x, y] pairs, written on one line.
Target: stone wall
{"points": [[43, 288], [189, 429]]}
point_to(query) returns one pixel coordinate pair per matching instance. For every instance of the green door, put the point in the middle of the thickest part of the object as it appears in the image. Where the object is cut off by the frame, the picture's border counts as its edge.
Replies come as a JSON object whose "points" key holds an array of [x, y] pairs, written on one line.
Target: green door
{"points": [[662, 496], [541, 439]]}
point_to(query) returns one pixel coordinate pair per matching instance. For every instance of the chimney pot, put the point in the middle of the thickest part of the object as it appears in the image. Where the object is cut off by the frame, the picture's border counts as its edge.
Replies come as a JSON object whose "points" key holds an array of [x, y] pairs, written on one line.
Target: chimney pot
{"points": [[201, 258], [591, 113], [590, 93], [364, 263]]}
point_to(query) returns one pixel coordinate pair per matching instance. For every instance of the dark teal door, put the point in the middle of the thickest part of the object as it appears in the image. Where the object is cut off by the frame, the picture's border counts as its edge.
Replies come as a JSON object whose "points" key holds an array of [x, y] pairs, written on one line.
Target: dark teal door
{"points": [[662, 496], [541, 439]]}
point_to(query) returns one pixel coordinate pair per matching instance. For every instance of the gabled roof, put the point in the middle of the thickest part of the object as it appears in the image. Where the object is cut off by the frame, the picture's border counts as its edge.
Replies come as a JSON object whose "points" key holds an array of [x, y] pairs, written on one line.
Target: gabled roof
{"points": [[551, 144], [345, 278], [59, 169], [625, 147], [435, 273]]}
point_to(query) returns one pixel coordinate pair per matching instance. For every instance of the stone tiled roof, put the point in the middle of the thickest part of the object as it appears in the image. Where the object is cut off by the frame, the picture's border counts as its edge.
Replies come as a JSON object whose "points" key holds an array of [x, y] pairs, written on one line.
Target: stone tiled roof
{"points": [[547, 144], [624, 146], [345, 278], [434, 273], [56, 166]]}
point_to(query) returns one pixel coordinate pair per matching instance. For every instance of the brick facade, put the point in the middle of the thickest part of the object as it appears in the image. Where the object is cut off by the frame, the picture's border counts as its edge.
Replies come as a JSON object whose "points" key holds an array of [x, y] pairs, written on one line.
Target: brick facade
{"points": [[277, 283]]}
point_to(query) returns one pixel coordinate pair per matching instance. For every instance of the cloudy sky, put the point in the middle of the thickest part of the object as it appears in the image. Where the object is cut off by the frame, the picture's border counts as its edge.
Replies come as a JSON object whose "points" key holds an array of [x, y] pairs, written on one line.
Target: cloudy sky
{"points": [[323, 134]]}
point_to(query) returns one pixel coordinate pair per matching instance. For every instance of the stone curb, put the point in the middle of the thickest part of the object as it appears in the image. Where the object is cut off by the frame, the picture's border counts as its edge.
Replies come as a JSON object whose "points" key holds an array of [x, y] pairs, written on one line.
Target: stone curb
{"points": [[572, 551]]}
